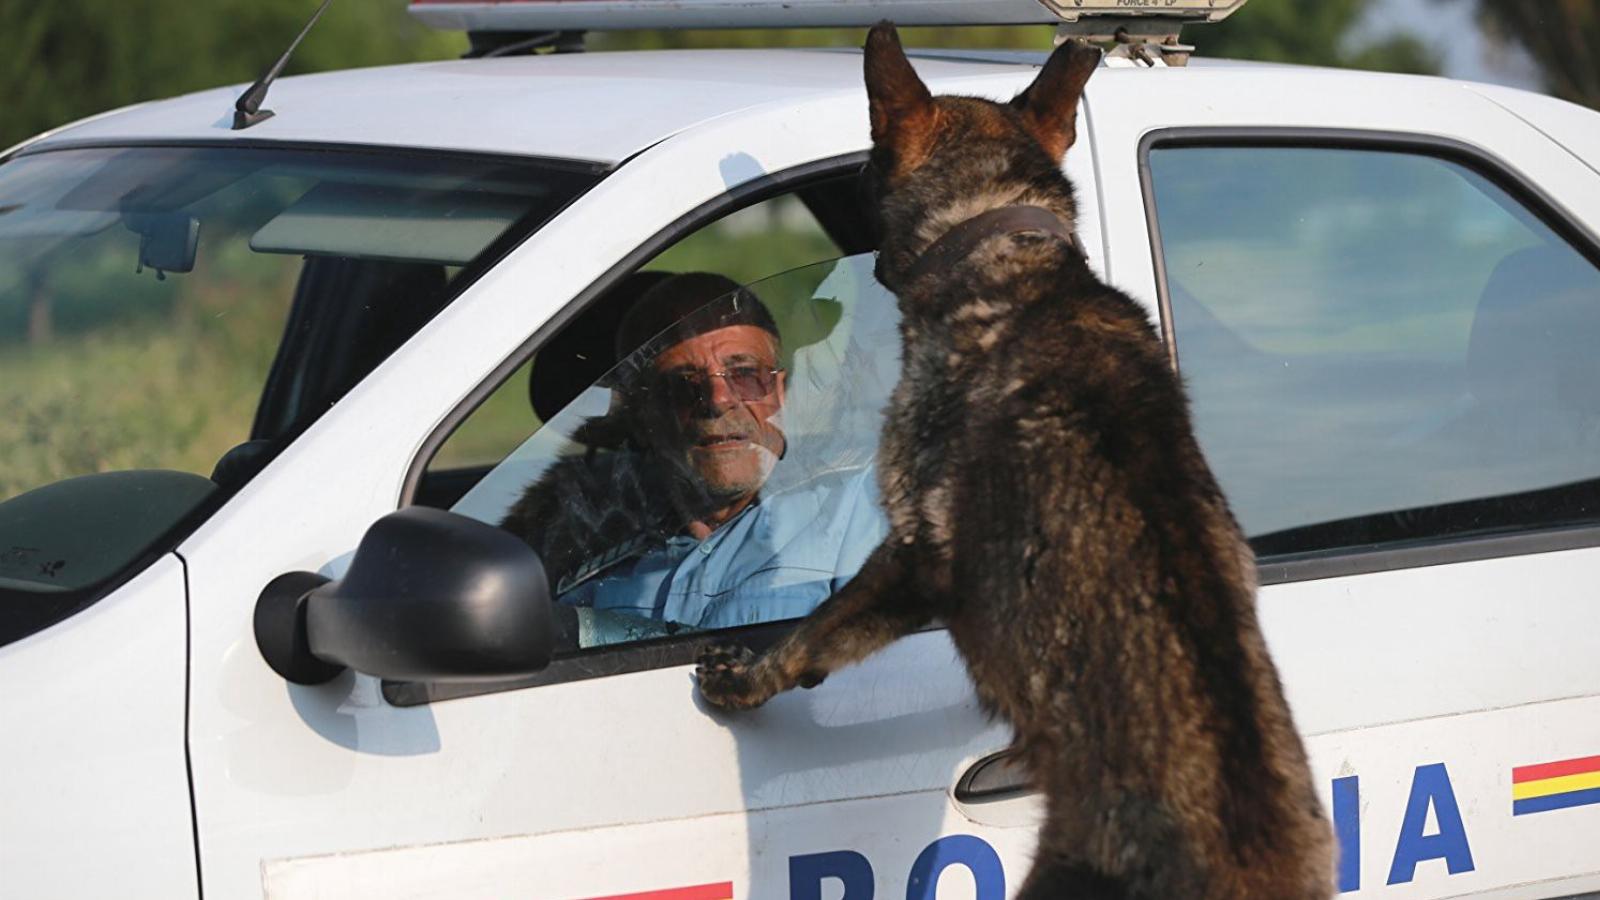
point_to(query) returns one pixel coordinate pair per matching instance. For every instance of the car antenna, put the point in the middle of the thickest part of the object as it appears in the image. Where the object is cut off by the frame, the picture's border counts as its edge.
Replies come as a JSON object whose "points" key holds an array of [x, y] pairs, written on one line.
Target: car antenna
{"points": [[248, 110]]}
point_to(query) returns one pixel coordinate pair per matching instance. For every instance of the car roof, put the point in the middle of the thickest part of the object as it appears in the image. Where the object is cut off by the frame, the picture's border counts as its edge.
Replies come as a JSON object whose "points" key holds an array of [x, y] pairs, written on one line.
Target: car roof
{"points": [[600, 107], [606, 107]]}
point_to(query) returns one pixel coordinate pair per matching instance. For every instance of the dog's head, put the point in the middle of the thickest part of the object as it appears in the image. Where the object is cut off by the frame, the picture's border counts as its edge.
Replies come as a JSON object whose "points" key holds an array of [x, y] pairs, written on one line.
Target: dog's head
{"points": [[937, 161]]}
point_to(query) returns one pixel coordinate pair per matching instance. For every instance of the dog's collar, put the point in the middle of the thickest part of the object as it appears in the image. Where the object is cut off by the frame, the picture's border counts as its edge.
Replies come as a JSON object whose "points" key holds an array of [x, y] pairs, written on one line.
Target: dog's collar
{"points": [[955, 244]]}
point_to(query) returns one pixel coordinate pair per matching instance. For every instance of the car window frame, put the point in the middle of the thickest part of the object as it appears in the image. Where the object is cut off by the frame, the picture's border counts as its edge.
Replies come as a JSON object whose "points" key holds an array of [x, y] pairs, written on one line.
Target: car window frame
{"points": [[634, 656], [72, 603], [1440, 550]]}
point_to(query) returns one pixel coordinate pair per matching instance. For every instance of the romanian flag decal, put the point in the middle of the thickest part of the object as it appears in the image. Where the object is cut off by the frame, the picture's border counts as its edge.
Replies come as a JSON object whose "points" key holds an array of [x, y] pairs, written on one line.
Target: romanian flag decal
{"points": [[723, 891], [1555, 785]]}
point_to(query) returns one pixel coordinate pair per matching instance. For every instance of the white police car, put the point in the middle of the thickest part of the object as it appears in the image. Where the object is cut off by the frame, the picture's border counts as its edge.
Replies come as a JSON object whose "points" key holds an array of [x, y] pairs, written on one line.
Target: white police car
{"points": [[225, 354]]}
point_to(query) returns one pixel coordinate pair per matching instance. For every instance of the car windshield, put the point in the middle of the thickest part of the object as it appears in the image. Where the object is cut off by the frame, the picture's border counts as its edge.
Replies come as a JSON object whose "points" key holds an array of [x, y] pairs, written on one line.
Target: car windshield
{"points": [[170, 317]]}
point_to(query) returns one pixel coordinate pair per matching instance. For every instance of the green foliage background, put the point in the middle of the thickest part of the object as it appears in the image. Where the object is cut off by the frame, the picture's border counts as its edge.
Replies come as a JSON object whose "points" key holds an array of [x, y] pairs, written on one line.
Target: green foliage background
{"points": [[64, 59], [1562, 37]]}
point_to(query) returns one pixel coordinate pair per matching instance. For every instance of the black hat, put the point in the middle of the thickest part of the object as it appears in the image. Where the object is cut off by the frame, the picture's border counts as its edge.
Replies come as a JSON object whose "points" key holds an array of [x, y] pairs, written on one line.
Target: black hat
{"points": [[681, 307]]}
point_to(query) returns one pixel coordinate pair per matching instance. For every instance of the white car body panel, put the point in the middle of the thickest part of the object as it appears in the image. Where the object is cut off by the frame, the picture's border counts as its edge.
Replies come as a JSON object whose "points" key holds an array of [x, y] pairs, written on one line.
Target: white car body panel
{"points": [[1572, 126], [93, 787], [572, 863], [602, 107], [625, 783]]}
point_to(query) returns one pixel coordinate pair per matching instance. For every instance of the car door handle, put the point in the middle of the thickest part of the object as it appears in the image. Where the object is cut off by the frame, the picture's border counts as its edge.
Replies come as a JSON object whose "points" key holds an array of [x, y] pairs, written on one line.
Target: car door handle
{"points": [[998, 776]]}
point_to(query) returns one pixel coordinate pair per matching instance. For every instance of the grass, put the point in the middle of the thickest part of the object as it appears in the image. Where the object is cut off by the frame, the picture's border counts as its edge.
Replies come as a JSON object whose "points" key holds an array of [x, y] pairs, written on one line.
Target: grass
{"points": [[165, 378]]}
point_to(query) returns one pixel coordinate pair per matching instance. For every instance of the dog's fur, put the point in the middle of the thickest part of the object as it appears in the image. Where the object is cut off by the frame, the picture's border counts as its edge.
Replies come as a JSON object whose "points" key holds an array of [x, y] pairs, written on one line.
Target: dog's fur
{"points": [[1047, 500]]}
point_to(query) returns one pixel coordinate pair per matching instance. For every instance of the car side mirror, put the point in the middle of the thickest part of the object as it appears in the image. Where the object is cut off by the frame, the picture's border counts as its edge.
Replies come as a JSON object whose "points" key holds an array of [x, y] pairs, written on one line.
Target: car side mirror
{"points": [[430, 596]]}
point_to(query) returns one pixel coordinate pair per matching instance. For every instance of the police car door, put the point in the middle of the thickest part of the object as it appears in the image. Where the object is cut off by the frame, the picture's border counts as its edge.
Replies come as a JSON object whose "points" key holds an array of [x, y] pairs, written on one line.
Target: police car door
{"points": [[847, 787], [1388, 342], [603, 775]]}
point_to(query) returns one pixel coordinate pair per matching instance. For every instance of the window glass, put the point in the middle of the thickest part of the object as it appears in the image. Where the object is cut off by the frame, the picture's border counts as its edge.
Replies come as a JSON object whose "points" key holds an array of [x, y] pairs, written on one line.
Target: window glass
{"points": [[170, 317], [501, 421], [1381, 347], [721, 474], [775, 235], [760, 240]]}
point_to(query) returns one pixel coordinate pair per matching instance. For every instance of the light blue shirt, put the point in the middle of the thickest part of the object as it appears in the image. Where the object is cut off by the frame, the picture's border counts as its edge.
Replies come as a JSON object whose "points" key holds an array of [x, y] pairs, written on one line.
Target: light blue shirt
{"points": [[778, 559]]}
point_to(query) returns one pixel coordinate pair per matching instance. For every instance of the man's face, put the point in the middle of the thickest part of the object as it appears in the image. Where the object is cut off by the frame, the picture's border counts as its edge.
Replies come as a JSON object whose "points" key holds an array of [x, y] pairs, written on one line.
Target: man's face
{"points": [[724, 394]]}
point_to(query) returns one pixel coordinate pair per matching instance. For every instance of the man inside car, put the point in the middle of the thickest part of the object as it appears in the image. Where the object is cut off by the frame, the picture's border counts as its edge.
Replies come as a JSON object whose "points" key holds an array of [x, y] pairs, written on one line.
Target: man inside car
{"points": [[662, 518]]}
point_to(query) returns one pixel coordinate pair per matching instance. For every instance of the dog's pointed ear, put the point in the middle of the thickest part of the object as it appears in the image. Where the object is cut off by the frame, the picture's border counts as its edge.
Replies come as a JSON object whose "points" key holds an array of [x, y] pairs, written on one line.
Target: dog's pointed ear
{"points": [[1049, 106], [901, 107]]}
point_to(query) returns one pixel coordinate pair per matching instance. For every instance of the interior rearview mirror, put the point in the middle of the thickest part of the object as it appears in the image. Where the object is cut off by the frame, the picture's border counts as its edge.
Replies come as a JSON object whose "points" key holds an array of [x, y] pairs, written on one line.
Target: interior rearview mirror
{"points": [[430, 596], [168, 242]]}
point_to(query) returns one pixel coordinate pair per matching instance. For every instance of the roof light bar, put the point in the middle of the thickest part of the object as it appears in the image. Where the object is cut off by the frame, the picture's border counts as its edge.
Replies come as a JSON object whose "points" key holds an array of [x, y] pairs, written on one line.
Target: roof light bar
{"points": [[607, 15], [1140, 21], [1189, 11]]}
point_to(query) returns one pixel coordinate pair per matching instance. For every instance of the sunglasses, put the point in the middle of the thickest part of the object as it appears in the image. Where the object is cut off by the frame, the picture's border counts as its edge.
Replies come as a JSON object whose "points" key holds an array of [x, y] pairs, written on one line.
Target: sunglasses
{"points": [[689, 387]]}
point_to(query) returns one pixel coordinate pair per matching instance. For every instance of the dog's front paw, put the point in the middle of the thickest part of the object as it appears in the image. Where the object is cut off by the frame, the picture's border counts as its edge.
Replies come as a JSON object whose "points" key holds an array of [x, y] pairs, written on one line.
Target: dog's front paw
{"points": [[726, 674]]}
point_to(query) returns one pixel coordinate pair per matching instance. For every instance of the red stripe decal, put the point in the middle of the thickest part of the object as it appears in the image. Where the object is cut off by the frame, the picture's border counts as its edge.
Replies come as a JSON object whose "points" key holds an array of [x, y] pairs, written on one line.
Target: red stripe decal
{"points": [[1555, 769], [723, 891]]}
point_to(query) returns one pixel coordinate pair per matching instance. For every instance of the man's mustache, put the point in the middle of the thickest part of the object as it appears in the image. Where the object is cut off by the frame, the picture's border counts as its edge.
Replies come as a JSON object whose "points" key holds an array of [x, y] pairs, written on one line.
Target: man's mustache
{"points": [[737, 426]]}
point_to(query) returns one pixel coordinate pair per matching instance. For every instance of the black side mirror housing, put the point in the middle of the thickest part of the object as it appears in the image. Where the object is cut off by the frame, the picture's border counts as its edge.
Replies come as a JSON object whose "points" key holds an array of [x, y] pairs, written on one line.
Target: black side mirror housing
{"points": [[430, 596]]}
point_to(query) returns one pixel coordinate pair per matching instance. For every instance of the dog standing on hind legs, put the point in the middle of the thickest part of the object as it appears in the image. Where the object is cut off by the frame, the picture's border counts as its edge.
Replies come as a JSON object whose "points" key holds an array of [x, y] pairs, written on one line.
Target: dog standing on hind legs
{"points": [[1047, 500]]}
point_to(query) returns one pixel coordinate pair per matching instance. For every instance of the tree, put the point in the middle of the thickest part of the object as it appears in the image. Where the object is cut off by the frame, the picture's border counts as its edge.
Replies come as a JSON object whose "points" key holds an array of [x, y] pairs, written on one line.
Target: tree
{"points": [[1314, 33], [65, 59], [1562, 37]]}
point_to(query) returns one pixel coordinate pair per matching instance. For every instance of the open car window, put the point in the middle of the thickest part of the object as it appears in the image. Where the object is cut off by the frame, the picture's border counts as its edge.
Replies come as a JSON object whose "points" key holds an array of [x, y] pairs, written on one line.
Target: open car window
{"points": [[610, 488]]}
